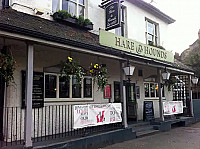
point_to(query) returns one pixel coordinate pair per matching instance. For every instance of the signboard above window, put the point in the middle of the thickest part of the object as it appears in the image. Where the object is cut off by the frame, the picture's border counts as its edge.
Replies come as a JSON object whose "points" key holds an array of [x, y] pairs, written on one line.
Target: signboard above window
{"points": [[131, 46]]}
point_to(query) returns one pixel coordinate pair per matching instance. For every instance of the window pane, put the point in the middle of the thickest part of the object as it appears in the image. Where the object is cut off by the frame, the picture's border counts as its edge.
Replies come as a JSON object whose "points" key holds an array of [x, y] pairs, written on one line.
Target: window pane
{"points": [[117, 95], [150, 37], [72, 8], [150, 27], [50, 86], [152, 89], [81, 11], [156, 90], [146, 88], [81, 2], [76, 89], [88, 88], [55, 5], [69, 6], [65, 5], [63, 87]]}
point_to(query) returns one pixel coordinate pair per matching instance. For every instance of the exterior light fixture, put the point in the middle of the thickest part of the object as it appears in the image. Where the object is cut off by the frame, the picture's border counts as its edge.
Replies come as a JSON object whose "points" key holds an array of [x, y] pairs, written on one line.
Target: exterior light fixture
{"points": [[165, 75], [195, 80], [128, 70]]}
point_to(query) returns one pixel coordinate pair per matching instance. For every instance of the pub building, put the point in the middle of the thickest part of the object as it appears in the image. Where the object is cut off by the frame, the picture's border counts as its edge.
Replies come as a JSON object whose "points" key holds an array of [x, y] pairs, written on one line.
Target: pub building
{"points": [[143, 77]]}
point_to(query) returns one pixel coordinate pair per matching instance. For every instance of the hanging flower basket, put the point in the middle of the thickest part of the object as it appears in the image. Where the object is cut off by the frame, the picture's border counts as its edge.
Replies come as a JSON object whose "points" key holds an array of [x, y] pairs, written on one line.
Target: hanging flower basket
{"points": [[100, 74], [7, 67], [70, 67], [98, 71], [170, 83]]}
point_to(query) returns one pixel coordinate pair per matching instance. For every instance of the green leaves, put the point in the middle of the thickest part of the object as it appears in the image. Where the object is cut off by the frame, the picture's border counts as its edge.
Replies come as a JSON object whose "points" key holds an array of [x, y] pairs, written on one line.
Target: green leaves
{"points": [[70, 67], [7, 67], [193, 60], [99, 72]]}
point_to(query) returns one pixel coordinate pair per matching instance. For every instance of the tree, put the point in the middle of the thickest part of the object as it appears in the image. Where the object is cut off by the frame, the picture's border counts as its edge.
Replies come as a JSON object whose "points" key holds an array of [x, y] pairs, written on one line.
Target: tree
{"points": [[193, 60]]}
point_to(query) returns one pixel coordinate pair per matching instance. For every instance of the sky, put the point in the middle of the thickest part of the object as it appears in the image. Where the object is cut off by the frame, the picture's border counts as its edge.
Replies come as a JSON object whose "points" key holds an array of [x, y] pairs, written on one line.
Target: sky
{"points": [[184, 31]]}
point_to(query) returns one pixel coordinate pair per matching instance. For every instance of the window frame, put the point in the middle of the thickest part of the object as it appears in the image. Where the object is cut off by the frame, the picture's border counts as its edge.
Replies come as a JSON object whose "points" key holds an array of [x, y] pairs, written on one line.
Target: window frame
{"points": [[77, 4], [156, 33], [70, 99], [156, 96], [118, 30]]}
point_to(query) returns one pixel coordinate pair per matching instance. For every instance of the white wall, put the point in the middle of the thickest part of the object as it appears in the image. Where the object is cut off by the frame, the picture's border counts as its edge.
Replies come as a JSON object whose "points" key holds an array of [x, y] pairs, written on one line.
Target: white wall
{"points": [[135, 17]]}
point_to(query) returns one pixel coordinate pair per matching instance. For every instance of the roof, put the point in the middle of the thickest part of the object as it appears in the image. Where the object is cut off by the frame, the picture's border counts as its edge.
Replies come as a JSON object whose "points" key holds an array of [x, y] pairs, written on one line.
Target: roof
{"points": [[153, 10], [33, 26]]}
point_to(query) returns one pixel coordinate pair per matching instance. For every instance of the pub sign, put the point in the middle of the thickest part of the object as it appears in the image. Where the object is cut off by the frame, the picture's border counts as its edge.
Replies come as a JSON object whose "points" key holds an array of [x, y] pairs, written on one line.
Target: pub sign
{"points": [[113, 15]]}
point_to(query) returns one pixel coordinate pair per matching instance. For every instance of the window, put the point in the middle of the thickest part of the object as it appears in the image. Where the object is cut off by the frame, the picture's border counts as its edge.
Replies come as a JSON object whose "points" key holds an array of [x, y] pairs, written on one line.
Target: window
{"points": [[76, 88], [180, 90], [55, 5], [50, 86], [61, 88], [117, 94], [122, 30], [151, 33], [88, 87], [151, 90], [74, 7]]}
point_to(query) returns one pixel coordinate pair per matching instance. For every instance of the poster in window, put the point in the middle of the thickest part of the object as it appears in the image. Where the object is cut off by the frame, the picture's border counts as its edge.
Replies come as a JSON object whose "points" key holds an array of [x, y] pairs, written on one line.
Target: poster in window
{"points": [[107, 92], [38, 89], [137, 88]]}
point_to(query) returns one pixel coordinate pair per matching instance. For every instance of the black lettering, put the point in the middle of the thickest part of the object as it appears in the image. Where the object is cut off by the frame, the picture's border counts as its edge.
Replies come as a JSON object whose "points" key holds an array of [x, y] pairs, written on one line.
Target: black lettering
{"points": [[128, 44], [123, 44], [146, 50], [132, 45], [117, 43], [158, 55]]}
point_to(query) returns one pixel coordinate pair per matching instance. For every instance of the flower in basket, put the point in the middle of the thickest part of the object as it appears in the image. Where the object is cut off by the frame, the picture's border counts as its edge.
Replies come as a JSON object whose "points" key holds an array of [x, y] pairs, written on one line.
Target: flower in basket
{"points": [[70, 67], [100, 74]]}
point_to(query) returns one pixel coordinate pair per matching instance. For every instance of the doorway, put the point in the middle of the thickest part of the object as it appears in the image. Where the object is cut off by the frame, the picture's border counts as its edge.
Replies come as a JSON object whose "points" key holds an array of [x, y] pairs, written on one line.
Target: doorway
{"points": [[131, 102], [2, 86]]}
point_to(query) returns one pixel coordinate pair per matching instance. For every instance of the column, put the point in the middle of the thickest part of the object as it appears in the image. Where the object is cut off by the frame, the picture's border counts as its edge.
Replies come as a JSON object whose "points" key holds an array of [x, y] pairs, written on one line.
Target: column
{"points": [[190, 95], [28, 96], [160, 93], [123, 96]]}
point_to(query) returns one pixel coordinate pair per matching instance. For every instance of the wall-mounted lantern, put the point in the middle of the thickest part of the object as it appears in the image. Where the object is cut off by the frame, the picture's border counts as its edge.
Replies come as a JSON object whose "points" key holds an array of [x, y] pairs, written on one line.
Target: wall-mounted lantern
{"points": [[195, 80], [165, 75], [128, 70]]}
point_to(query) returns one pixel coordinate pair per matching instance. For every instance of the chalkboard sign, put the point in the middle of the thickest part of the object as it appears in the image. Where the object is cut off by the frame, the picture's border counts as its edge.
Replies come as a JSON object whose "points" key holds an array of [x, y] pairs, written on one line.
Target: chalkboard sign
{"points": [[148, 114], [113, 15], [38, 89]]}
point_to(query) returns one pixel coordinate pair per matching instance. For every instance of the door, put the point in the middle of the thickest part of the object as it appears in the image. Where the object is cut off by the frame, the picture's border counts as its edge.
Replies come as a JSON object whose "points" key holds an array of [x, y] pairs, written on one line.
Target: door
{"points": [[131, 102], [2, 86]]}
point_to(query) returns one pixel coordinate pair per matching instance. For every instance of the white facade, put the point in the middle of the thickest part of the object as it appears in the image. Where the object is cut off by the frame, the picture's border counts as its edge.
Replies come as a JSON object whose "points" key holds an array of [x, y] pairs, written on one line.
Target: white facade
{"points": [[47, 56], [135, 17]]}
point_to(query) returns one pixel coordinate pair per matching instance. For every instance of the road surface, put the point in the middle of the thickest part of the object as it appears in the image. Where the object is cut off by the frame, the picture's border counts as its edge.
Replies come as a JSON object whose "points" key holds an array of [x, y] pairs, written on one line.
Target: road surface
{"points": [[178, 138]]}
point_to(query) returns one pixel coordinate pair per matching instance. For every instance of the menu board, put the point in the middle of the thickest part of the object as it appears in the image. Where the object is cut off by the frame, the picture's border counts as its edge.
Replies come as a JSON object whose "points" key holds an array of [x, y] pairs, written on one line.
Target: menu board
{"points": [[148, 114], [38, 89]]}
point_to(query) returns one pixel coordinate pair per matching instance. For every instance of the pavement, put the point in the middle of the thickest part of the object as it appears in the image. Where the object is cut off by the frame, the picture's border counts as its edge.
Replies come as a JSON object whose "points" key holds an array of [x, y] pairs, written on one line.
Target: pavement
{"points": [[178, 138]]}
